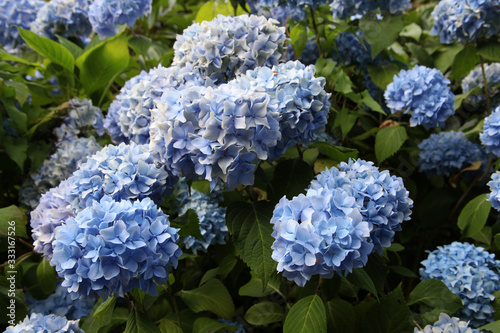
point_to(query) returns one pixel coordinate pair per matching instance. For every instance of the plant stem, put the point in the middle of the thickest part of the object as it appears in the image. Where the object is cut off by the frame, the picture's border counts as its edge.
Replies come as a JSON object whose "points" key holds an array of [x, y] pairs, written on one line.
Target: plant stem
{"points": [[315, 28], [485, 86]]}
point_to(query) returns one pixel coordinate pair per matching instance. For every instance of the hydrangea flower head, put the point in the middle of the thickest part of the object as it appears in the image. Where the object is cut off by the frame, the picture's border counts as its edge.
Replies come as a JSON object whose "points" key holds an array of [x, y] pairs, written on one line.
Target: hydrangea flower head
{"points": [[343, 9], [447, 324], [112, 247], [82, 118], [494, 195], [490, 136], [469, 272], [49, 323], [123, 172], [14, 13], [447, 153], [423, 92], [106, 15], [465, 20], [352, 49], [66, 18], [61, 304], [228, 46], [475, 79], [280, 13]]}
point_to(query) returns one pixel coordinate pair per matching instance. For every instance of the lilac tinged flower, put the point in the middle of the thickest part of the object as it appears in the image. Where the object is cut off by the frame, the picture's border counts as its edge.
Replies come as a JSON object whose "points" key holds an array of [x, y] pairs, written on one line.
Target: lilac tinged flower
{"points": [[129, 116], [49, 323], [343, 9], [61, 304], [66, 18], [490, 136], [228, 46], [123, 172], [465, 20], [211, 216], [112, 247], [14, 13], [106, 15], [469, 272], [445, 324], [494, 185], [82, 118], [447, 153], [423, 92]]}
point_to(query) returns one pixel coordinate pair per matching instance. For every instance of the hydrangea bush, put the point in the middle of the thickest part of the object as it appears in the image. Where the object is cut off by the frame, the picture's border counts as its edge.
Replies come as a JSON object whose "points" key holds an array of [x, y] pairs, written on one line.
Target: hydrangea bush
{"points": [[249, 166]]}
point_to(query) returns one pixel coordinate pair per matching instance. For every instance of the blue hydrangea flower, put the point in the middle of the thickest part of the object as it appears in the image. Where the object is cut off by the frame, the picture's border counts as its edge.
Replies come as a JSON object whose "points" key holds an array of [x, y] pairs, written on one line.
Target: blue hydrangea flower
{"points": [[14, 13], [343, 9], [494, 195], [123, 172], [112, 247], [228, 46], [82, 117], [280, 13], [210, 215], [445, 324], [300, 97], [52, 211], [66, 18], [490, 136], [475, 79], [469, 272], [465, 20], [69, 155], [352, 50], [50, 324], [60, 304], [129, 115], [423, 92], [447, 153], [106, 15], [239, 327]]}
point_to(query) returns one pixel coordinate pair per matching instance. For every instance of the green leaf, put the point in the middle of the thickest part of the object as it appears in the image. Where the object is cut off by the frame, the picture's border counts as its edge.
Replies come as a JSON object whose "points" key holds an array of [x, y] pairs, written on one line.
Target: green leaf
{"points": [[255, 287], [423, 57], [380, 33], [138, 322], [325, 67], [474, 215], [102, 63], [346, 120], [412, 30], [443, 60], [202, 186], [291, 177], [264, 313], [464, 62], [188, 223], [403, 271], [9, 57], [211, 9], [368, 100], [13, 222], [17, 149], [140, 44], [168, 326], [435, 294], [489, 50], [49, 49], [46, 276], [388, 141], [204, 325], [212, 296], [22, 91], [104, 307], [343, 83], [339, 154], [361, 279], [493, 327], [250, 227], [307, 315], [341, 316], [20, 118], [298, 35], [461, 97], [94, 324], [75, 50], [383, 74]]}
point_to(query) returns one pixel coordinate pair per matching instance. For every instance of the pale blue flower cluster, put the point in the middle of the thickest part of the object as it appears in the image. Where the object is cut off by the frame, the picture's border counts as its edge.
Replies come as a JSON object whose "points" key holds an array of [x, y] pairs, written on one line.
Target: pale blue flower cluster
{"points": [[490, 136], [211, 217], [129, 116], [475, 78], [352, 50], [123, 172], [82, 119], [494, 195], [69, 155], [14, 13], [106, 15], [60, 304], [111, 247], [228, 46], [465, 20], [345, 214], [343, 9], [425, 93], [301, 100], [50, 324], [447, 153], [447, 324], [469, 272], [66, 18]]}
